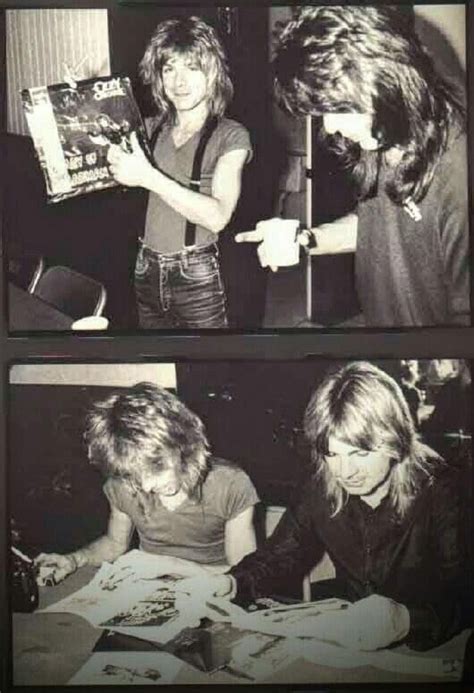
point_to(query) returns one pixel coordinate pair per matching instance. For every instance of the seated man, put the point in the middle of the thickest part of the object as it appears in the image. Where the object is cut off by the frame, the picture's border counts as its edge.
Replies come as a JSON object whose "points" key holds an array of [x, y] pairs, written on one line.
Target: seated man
{"points": [[386, 509], [161, 480]]}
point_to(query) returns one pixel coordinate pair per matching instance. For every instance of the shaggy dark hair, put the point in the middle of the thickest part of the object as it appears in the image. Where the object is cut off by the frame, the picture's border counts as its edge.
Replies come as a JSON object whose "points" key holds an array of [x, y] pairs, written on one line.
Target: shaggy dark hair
{"points": [[198, 41], [363, 406], [128, 432], [369, 60]]}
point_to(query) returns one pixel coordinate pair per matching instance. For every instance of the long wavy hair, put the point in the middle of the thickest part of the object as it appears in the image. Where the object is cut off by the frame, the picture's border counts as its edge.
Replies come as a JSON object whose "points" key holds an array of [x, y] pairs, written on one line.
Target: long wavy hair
{"points": [[136, 430], [193, 38], [369, 60], [364, 407]]}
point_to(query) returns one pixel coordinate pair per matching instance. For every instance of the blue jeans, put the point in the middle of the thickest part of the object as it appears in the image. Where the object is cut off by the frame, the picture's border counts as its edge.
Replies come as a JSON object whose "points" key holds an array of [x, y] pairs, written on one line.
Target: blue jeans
{"points": [[182, 289]]}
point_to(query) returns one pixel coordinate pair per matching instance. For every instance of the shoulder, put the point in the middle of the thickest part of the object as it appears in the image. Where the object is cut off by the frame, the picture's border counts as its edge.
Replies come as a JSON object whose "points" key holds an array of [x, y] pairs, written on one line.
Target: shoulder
{"points": [[442, 481], [229, 125], [224, 472], [229, 488], [232, 135]]}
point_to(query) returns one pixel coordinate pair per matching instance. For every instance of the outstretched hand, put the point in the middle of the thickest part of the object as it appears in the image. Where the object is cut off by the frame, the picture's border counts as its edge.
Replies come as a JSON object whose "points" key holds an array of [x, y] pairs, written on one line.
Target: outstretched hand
{"points": [[256, 236], [129, 168]]}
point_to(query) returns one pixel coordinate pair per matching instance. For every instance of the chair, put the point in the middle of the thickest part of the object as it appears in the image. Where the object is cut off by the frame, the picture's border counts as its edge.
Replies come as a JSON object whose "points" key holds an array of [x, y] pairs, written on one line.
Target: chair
{"points": [[25, 271], [324, 570], [74, 294]]}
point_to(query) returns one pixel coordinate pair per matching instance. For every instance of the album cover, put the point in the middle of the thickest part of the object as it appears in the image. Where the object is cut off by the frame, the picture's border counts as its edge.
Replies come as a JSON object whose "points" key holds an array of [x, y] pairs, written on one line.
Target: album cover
{"points": [[73, 126]]}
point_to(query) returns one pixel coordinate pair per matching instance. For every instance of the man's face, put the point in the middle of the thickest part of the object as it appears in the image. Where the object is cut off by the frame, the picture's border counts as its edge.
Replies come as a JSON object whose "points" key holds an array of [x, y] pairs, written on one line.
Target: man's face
{"points": [[162, 482], [184, 82], [355, 126], [359, 472]]}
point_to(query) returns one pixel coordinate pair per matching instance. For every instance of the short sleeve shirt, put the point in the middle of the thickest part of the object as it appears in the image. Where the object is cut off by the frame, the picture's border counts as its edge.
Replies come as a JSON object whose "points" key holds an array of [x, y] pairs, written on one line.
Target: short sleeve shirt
{"points": [[196, 529], [164, 227], [414, 273]]}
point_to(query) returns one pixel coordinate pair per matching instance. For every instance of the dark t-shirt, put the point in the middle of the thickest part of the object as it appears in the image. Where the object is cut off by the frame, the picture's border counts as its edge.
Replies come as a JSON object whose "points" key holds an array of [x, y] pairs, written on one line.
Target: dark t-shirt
{"points": [[411, 273]]}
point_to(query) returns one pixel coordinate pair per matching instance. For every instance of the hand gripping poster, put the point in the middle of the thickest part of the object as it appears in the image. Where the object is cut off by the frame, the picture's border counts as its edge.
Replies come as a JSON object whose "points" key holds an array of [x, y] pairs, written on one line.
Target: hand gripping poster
{"points": [[73, 126]]}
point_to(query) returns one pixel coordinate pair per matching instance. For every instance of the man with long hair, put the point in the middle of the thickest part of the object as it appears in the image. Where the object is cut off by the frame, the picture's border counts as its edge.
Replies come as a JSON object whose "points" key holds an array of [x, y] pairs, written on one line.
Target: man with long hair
{"points": [[384, 506], [177, 273], [162, 481], [398, 129]]}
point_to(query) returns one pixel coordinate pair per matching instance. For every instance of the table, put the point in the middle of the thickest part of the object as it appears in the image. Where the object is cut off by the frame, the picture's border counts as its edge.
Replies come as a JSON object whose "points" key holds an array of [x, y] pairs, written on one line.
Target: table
{"points": [[49, 648], [28, 312]]}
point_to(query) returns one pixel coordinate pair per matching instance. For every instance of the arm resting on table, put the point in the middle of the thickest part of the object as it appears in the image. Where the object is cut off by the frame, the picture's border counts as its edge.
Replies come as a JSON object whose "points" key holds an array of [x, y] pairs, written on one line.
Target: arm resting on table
{"points": [[286, 556]]}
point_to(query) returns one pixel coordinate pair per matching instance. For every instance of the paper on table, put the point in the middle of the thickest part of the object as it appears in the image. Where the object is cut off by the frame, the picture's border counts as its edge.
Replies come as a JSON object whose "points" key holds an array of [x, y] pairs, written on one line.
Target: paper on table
{"points": [[285, 620], [136, 595], [331, 655], [127, 668], [261, 655]]}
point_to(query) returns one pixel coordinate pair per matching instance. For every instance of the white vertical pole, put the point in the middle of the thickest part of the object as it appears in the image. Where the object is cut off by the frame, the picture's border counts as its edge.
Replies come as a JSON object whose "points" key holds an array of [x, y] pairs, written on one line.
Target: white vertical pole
{"points": [[309, 215]]}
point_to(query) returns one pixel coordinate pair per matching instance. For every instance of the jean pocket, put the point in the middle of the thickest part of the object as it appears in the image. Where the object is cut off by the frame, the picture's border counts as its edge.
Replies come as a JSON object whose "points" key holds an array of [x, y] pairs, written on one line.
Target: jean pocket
{"points": [[142, 264], [201, 270]]}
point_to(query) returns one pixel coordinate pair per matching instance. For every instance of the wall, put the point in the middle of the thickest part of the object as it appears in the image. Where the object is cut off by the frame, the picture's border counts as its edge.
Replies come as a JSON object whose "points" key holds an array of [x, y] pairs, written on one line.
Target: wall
{"points": [[448, 23], [104, 374], [40, 42]]}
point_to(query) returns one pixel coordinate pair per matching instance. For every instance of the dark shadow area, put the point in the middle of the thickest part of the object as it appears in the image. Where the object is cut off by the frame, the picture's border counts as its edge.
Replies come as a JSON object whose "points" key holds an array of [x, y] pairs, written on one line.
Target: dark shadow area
{"points": [[55, 494], [95, 235]]}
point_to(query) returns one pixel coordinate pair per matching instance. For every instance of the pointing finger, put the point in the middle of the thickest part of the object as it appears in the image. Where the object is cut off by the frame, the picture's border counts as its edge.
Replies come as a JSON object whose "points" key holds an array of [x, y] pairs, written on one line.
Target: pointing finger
{"points": [[249, 237]]}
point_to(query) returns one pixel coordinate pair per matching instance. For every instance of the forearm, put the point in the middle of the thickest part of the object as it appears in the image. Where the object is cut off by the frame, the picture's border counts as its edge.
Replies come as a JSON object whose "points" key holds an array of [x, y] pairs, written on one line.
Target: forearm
{"points": [[99, 551], [336, 237], [198, 208], [279, 566]]}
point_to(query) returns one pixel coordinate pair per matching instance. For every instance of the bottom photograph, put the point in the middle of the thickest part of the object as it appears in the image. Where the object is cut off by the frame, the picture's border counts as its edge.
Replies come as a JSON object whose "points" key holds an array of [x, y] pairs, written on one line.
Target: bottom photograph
{"points": [[240, 522]]}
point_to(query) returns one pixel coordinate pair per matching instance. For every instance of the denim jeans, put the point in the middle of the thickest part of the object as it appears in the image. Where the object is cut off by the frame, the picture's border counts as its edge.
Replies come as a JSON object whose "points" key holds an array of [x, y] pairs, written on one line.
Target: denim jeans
{"points": [[182, 289]]}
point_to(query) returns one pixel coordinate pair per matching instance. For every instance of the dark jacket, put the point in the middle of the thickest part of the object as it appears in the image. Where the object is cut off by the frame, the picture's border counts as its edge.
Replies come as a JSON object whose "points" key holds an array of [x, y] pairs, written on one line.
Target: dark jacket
{"points": [[417, 561]]}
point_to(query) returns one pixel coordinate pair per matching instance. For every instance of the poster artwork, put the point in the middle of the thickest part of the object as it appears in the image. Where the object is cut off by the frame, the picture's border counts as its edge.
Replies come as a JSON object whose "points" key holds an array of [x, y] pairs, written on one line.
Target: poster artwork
{"points": [[72, 128]]}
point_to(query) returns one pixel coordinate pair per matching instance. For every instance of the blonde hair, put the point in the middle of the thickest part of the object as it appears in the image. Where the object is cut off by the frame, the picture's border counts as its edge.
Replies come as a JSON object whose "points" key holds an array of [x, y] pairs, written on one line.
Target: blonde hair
{"points": [[195, 39], [130, 431], [361, 405]]}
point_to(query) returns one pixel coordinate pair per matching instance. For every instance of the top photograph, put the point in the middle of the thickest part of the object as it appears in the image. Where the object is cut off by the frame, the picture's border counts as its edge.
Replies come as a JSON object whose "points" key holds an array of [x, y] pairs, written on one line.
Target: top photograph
{"points": [[187, 169]]}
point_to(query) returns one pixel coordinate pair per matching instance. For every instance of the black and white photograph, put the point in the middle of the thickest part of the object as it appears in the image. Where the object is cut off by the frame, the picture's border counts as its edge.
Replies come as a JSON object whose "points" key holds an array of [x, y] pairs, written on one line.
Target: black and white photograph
{"points": [[297, 521], [298, 167]]}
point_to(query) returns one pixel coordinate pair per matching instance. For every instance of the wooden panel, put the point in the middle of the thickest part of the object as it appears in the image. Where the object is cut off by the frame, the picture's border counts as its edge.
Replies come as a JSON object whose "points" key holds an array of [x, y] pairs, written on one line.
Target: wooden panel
{"points": [[40, 42]]}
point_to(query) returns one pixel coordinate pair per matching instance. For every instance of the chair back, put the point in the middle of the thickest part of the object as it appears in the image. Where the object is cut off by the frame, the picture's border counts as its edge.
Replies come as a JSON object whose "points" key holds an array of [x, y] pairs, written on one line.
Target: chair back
{"points": [[72, 293], [25, 270]]}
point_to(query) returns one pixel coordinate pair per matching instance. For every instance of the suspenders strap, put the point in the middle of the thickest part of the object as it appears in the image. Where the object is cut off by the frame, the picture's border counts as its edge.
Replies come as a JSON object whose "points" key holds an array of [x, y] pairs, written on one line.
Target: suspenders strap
{"points": [[209, 127], [207, 130]]}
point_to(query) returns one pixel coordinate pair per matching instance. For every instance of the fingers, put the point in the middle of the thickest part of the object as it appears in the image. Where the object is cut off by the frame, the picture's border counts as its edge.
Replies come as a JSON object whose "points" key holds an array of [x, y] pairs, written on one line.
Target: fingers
{"points": [[49, 559], [223, 587], [113, 154], [249, 237]]}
